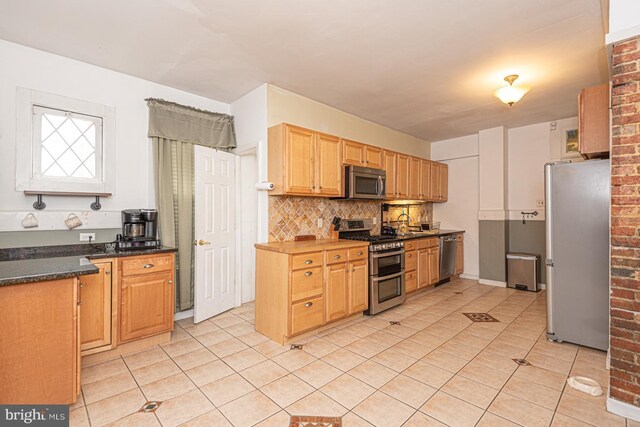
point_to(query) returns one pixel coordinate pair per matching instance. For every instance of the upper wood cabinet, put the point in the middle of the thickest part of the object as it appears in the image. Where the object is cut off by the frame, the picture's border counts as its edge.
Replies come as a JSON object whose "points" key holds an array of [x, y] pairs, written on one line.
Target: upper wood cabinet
{"points": [[425, 179], [402, 176], [390, 159], [358, 154], [593, 121], [439, 185], [414, 178], [328, 175], [303, 162], [95, 319]]}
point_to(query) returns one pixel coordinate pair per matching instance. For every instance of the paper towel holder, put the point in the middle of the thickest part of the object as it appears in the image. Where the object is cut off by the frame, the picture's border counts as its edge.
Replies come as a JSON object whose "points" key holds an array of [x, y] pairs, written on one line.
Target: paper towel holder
{"points": [[265, 186]]}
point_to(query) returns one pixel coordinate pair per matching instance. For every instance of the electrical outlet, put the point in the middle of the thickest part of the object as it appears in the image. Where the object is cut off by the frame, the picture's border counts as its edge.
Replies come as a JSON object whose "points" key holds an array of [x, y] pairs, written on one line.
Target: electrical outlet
{"points": [[319, 222], [375, 220], [539, 203], [87, 237]]}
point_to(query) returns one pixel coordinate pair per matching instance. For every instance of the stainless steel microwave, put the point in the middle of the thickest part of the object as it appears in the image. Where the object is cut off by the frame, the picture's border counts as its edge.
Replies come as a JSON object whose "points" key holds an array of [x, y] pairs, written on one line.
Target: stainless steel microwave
{"points": [[364, 183]]}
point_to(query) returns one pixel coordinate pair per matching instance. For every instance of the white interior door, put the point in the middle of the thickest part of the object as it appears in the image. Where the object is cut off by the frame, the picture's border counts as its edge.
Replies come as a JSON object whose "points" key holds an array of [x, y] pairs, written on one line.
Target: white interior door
{"points": [[215, 232]]}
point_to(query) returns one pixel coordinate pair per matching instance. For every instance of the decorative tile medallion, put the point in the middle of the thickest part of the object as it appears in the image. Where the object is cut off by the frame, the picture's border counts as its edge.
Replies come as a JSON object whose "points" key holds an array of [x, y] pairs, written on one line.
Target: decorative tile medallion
{"points": [[522, 362], [150, 406], [308, 421], [296, 347], [480, 317], [394, 322], [458, 293]]}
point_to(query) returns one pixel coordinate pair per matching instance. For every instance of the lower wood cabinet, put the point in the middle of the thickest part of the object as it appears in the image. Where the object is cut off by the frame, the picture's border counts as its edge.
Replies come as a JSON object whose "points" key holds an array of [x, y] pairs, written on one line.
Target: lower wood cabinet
{"points": [[39, 342], [96, 321], [146, 305], [428, 262], [298, 292]]}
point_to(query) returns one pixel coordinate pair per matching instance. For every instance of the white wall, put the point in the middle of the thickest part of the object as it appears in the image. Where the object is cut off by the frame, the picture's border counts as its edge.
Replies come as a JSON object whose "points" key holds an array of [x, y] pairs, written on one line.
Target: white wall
{"points": [[461, 210], [250, 118], [493, 180], [529, 150], [288, 107], [624, 20], [34, 69]]}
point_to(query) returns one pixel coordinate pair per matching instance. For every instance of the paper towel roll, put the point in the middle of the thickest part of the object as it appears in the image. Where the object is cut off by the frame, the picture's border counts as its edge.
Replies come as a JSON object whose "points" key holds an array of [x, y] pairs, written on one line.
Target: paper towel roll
{"points": [[265, 186]]}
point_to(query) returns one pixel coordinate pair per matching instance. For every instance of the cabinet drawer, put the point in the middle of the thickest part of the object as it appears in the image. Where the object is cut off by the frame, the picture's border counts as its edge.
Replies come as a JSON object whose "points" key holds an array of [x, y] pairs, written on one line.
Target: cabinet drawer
{"points": [[410, 282], [358, 253], [306, 283], [313, 259], [409, 245], [152, 264], [410, 260], [306, 315], [336, 256], [430, 242]]}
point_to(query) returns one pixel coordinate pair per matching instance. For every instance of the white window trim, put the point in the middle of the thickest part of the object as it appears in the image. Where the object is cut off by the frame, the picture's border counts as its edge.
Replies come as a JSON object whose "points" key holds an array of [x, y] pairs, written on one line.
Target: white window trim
{"points": [[27, 178]]}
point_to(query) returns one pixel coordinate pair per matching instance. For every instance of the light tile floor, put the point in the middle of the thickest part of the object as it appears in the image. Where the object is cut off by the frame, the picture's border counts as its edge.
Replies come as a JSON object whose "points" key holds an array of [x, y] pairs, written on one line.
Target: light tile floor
{"points": [[436, 368]]}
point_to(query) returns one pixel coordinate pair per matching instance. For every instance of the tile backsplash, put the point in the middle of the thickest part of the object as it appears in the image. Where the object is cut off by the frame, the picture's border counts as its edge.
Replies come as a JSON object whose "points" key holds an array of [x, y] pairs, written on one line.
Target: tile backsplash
{"points": [[292, 216]]}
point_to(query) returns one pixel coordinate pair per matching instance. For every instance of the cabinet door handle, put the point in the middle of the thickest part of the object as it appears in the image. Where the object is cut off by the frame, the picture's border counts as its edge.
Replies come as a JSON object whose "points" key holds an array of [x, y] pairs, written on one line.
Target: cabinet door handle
{"points": [[353, 270], [107, 272], [309, 261], [147, 266], [170, 282], [337, 257], [308, 273], [360, 253], [409, 255], [309, 304]]}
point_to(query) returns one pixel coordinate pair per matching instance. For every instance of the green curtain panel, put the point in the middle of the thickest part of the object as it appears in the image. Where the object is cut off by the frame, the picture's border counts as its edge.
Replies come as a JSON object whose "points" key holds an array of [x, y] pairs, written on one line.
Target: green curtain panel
{"points": [[173, 130]]}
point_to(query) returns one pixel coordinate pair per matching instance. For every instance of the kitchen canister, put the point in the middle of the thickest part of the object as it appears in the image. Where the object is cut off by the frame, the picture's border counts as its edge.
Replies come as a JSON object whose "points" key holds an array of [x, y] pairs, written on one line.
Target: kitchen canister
{"points": [[73, 221]]}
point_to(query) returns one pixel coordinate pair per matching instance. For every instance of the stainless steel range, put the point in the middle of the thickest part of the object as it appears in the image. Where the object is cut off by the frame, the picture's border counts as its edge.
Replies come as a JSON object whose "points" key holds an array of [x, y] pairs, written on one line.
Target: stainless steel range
{"points": [[386, 264]]}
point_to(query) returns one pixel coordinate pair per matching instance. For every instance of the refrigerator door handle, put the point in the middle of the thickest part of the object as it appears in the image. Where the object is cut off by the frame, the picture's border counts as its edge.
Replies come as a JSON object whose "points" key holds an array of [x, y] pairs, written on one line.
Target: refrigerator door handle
{"points": [[548, 206]]}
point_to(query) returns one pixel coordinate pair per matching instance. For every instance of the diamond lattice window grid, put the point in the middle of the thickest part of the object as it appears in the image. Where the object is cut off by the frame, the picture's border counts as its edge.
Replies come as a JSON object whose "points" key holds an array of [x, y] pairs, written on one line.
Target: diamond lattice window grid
{"points": [[68, 145]]}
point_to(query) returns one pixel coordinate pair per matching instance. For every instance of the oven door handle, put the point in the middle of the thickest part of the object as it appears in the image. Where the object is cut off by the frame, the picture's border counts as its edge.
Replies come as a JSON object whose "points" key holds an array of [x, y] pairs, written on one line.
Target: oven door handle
{"points": [[391, 276], [386, 254]]}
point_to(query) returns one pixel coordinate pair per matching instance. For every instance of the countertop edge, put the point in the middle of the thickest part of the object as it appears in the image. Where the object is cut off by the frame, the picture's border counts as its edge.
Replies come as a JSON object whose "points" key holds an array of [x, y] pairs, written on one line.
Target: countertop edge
{"points": [[289, 247], [46, 277]]}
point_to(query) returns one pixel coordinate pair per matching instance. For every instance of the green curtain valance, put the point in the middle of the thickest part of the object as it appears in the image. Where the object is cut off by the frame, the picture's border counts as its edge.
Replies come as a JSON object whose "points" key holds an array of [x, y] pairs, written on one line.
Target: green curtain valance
{"points": [[177, 122]]}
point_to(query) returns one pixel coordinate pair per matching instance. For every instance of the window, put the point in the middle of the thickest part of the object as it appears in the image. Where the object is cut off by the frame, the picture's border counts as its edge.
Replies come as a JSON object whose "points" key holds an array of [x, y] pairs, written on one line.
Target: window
{"points": [[64, 145]]}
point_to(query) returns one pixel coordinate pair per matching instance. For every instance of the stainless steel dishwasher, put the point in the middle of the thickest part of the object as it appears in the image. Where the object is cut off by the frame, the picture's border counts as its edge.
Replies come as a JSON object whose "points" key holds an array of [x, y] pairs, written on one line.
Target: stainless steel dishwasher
{"points": [[447, 258]]}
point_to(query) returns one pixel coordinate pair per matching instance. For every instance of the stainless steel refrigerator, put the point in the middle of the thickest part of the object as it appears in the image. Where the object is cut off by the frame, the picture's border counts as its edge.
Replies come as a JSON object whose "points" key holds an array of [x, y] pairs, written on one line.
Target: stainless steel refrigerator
{"points": [[577, 246]]}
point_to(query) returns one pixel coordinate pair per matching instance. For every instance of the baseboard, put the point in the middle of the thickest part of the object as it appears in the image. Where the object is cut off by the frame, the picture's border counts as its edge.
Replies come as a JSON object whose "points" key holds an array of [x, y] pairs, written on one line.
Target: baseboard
{"points": [[469, 276], [542, 286], [183, 314], [623, 409], [493, 283]]}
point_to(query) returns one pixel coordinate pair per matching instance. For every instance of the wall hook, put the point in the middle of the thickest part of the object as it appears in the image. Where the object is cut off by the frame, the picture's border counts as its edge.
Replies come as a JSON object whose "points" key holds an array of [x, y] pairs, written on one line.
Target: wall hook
{"points": [[528, 215], [39, 204], [96, 206]]}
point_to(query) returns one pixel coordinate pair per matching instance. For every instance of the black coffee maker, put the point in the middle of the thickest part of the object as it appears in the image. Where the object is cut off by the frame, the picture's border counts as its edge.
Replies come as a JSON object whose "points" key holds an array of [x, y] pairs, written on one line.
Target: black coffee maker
{"points": [[139, 229]]}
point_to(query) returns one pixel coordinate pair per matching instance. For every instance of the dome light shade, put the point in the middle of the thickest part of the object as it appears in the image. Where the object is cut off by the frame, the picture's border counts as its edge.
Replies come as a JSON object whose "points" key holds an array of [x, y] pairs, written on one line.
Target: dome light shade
{"points": [[511, 94]]}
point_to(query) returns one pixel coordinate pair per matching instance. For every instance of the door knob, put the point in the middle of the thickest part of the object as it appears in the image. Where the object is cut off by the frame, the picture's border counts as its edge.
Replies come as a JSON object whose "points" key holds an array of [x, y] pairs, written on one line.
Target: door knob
{"points": [[201, 242]]}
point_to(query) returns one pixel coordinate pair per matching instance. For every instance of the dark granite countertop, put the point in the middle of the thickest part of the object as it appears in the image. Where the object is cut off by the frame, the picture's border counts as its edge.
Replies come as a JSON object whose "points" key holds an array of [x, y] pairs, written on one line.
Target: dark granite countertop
{"points": [[423, 235], [40, 269], [39, 263]]}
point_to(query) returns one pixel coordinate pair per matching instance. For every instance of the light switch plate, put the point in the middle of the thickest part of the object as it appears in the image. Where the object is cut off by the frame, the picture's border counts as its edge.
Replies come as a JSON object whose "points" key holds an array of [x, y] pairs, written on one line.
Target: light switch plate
{"points": [[375, 220], [319, 222]]}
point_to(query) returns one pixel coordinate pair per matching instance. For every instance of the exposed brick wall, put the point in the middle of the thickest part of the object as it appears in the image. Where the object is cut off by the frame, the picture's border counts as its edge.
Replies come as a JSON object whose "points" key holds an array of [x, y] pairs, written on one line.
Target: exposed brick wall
{"points": [[625, 223]]}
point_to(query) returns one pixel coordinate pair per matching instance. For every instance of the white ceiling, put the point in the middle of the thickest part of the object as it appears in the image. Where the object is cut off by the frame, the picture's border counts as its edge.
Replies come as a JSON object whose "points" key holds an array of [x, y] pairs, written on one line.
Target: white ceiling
{"points": [[424, 67]]}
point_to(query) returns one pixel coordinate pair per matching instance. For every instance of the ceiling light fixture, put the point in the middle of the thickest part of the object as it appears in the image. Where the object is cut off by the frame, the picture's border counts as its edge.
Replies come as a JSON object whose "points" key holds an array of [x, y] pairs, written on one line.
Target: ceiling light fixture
{"points": [[511, 94]]}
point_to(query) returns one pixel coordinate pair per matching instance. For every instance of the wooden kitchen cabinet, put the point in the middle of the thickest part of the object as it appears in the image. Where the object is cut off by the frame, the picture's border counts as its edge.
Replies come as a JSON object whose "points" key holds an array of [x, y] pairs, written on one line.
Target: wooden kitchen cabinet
{"points": [[40, 343], [459, 261], [301, 286], [358, 286], [146, 299], [428, 262], [329, 169], [303, 162], [414, 178], [402, 176], [439, 184], [95, 319], [425, 179], [593, 121], [337, 295], [358, 154], [390, 159]]}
